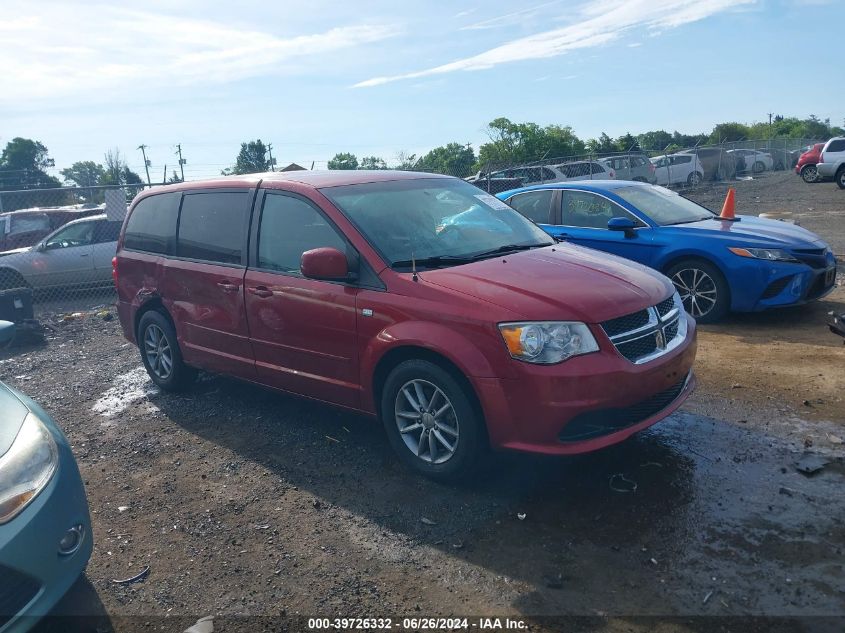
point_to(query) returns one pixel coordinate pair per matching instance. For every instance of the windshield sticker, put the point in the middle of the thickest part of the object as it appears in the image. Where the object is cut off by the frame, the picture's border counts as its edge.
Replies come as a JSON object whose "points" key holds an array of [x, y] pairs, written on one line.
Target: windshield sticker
{"points": [[493, 202]]}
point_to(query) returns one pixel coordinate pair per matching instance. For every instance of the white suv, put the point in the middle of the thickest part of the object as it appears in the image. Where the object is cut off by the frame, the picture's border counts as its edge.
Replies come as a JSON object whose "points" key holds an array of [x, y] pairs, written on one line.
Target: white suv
{"points": [[831, 163], [678, 169]]}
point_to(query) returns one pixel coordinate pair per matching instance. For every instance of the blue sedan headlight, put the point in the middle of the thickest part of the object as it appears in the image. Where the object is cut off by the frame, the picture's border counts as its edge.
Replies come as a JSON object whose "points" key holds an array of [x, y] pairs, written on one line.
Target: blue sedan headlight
{"points": [[769, 254], [27, 467]]}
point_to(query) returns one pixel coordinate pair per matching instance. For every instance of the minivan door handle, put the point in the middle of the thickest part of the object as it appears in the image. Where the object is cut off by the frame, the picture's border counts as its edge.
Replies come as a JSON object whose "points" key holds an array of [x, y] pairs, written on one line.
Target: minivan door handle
{"points": [[260, 291], [228, 287]]}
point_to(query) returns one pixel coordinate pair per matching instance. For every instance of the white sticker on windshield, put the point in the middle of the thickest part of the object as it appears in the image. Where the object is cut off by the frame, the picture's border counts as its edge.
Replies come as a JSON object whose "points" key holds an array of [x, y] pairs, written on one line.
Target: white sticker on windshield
{"points": [[493, 202]]}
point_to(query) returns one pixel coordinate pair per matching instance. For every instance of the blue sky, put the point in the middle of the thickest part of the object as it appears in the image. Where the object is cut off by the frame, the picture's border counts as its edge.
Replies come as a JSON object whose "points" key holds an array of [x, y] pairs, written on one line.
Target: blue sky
{"points": [[322, 77]]}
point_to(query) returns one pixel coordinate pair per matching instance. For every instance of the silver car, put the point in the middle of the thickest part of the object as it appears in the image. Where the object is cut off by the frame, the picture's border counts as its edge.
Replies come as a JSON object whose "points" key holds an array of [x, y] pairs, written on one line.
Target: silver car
{"points": [[77, 255]]}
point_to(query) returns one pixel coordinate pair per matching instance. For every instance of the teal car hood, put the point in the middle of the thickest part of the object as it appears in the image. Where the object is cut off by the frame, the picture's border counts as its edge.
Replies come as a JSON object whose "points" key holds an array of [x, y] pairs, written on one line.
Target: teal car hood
{"points": [[753, 230], [12, 414]]}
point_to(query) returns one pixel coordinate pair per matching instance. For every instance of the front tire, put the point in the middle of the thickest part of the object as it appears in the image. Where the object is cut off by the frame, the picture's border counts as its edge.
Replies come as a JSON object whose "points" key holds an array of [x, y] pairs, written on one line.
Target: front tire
{"points": [[703, 289], [840, 178], [160, 353], [758, 167], [809, 174], [10, 279], [694, 179], [431, 422]]}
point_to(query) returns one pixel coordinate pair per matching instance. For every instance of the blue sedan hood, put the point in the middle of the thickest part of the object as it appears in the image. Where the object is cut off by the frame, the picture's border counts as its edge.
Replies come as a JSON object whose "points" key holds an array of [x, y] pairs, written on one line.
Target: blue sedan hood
{"points": [[755, 231], [12, 414]]}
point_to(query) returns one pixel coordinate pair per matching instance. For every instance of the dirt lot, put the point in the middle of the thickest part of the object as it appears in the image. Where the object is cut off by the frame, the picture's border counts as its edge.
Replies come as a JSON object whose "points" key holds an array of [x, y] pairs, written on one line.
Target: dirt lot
{"points": [[246, 502]]}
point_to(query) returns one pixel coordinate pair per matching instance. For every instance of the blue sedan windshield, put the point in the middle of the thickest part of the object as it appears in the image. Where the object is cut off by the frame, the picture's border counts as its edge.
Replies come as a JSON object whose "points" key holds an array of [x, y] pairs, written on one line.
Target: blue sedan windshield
{"points": [[663, 206]]}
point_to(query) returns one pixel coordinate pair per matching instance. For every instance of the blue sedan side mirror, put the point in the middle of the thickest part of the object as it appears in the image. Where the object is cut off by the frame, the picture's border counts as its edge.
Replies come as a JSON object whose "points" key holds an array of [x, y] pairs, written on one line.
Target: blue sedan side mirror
{"points": [[622, 224], [7, 333]]}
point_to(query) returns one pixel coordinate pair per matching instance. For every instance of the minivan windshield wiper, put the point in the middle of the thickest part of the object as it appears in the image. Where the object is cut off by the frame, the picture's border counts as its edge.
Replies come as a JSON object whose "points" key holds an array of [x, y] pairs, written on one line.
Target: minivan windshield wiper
{"points": [[507, 248], [433, 261]]}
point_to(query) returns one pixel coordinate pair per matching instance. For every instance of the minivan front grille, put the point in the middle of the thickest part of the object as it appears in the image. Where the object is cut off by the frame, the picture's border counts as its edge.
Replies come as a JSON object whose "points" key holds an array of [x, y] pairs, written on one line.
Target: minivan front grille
{"points": [[647, 334]]}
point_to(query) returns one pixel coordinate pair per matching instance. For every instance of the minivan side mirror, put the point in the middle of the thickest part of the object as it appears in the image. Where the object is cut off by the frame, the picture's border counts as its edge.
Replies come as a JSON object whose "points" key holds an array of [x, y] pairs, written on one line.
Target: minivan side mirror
{"points": [[324, 263], [622, 224], [7, 333]]}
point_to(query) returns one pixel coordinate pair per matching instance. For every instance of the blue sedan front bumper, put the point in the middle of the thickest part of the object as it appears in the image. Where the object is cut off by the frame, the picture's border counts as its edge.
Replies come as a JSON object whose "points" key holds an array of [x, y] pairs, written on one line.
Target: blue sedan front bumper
{"points": [[34, 575], [762, 285]]}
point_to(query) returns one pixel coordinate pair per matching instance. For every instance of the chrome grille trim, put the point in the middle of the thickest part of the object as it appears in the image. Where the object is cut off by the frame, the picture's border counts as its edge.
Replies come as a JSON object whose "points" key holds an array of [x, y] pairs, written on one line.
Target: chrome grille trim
{"points": [[657, 332]]}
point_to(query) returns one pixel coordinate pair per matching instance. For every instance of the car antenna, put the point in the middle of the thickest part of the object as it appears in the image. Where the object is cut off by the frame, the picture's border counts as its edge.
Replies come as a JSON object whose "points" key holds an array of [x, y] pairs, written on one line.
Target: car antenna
{"points": [[414, 275]]}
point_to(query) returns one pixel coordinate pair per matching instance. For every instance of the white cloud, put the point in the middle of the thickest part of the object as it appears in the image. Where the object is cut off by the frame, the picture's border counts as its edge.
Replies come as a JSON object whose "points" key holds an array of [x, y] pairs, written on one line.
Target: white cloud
{"points": [[58, 50], [599, 22], [509, 19]]}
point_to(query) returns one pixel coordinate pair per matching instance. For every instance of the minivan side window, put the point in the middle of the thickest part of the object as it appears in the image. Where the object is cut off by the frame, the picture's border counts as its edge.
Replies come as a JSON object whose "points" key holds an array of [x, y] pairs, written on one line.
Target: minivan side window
{"points": [[289, 227], [212, 226], [836, 146], [152, 224], [534, 205]]}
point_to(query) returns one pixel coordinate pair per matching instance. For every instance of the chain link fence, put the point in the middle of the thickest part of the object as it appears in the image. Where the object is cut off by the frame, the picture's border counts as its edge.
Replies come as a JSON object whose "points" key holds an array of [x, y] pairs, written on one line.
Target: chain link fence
{"points": [[675, 167], [56, 250]]}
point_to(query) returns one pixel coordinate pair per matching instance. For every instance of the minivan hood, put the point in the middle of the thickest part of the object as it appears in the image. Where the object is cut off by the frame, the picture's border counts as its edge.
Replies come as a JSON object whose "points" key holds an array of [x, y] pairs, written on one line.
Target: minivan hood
{"points": [[560, 282], [755, 231]]}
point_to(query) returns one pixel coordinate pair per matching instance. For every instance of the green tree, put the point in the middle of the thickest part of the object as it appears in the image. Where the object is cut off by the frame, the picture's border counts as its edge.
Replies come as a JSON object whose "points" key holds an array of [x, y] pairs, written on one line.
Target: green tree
{"points": [[602, 145], [407, 161], [514, 143], [371, 162], [344, 160], [23, 165], [453, 159], [252, 159], [84, 173], [174, 178], [117, 171], [727, 132], [656, 140]]}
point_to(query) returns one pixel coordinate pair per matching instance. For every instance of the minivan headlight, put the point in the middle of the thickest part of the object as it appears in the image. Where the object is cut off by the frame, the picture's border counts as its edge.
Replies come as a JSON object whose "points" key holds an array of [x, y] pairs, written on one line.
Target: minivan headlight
{"points": [[769, 254], [27, 467], [547, 342]]}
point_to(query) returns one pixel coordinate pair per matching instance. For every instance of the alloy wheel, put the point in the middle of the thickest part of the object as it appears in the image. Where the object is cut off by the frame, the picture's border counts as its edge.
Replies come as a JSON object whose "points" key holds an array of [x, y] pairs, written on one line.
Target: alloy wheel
{"points": [[697, 289], [427, 421], [158, 352], [810, 173]]}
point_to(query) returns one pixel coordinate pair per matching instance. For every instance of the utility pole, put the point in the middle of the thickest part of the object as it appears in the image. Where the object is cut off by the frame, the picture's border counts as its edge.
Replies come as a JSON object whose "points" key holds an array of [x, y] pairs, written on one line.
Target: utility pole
{"points": [[182, 161], [270, 152], [143, 149], [770, 118]]}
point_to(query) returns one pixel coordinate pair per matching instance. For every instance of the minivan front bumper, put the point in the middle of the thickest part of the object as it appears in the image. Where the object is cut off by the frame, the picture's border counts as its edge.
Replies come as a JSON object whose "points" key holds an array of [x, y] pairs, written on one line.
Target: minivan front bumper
{"points": [[586, 403]]}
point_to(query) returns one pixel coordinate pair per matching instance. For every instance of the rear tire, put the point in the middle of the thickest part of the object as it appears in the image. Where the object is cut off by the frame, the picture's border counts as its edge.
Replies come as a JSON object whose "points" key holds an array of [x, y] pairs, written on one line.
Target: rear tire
{"points": [[160, 353], [809, 174], [694, 179], [758, 167], [431, 422], [703, 289], [840, 178]]}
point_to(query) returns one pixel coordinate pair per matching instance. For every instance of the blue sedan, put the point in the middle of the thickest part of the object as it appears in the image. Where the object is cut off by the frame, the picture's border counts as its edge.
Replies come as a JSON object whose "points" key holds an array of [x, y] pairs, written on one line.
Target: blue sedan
{"points": [[45, 529], [717, 265]]}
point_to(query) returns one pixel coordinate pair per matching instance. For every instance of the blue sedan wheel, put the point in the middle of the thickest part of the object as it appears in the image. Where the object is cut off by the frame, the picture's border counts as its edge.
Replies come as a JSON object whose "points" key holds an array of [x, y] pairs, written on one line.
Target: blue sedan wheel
{"points": [[703, 289]]}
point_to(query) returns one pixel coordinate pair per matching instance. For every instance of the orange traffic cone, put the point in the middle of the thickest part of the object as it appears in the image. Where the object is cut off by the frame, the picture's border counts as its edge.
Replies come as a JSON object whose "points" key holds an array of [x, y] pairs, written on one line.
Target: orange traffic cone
{"points": [[729, 206]]}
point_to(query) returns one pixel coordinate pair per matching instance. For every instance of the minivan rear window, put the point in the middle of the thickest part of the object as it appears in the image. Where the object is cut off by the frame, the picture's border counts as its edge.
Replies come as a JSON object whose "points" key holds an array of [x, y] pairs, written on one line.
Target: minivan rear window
{"points": [[152, 224], [212, 226]]}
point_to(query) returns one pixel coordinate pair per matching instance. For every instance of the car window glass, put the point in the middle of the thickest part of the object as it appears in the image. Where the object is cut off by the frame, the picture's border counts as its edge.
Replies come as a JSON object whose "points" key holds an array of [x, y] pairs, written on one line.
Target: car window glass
{"points": [[534, 205], [589, 210], [289, 227], [152, 224], [105, 231], [27, 223], [836, 146], [211, 226], [74, 235]]}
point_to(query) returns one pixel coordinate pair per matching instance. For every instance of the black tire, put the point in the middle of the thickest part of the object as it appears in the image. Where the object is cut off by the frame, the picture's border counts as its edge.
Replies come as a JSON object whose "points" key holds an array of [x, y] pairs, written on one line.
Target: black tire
{"points": [[840, 178], [179, 376], [694, 179], [809, 174], [470, 445], [758, 167], [10, 278], [684, 275]]}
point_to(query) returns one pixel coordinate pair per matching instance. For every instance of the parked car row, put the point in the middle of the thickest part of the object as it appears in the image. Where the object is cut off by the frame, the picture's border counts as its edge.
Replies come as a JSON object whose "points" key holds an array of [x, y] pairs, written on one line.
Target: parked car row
{"points": [[19, 229]]}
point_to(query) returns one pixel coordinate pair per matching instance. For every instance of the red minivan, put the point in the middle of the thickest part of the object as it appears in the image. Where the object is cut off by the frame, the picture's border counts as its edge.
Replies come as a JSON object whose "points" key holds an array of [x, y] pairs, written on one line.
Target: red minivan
{"points": [[416, 298]]}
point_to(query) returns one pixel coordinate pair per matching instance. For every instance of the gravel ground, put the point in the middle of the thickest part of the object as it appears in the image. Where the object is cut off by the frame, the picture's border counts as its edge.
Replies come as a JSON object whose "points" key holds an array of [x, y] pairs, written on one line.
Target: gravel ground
{"points": [[244, 502]]}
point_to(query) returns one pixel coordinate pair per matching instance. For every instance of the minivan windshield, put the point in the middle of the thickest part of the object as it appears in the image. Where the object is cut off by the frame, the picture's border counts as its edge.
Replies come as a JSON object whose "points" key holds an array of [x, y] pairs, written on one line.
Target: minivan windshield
{"points": [[434, 222], [664, 206]]}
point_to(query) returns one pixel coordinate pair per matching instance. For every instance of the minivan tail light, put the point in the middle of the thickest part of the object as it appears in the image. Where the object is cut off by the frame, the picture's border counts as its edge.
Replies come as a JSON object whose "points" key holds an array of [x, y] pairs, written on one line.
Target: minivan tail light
{"points": [[114, 270]]}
